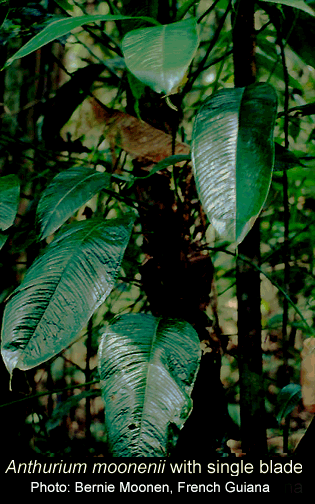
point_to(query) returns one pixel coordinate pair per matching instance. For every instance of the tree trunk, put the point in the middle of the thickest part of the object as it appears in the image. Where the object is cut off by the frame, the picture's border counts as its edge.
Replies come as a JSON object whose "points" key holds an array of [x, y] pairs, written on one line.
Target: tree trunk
{"points": [[253, 434]]}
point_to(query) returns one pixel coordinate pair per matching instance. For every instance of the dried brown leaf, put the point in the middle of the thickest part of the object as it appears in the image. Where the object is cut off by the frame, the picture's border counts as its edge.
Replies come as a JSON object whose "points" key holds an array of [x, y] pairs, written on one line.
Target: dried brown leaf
{"points": [[139, 139]]}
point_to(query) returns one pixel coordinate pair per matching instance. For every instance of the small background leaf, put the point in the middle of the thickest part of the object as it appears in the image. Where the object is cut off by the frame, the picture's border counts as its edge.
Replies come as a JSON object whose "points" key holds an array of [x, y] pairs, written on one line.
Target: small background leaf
{"points": [[3, 239], [67, 192], [301, 37], [160, 56], [165, 163], [235, 413], [9, 200], [61, 290], [161, 165], [147, 367], [297, 4], [64, 4], [63, 408], [285, 159], [288, 398]]}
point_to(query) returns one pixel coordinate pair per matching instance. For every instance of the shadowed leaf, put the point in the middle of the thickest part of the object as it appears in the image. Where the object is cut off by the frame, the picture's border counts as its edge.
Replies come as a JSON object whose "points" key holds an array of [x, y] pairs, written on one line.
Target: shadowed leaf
{"points": [[9, 200], [287, 399]]}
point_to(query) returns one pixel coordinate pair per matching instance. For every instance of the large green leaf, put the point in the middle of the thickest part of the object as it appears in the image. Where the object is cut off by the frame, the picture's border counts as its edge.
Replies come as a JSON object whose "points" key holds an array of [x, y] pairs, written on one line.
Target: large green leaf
{"points": [[61, 290], [297, 4], [233, 156], [9, 200], [67, 192], [160, 56], [62, 27], [148, 367]]}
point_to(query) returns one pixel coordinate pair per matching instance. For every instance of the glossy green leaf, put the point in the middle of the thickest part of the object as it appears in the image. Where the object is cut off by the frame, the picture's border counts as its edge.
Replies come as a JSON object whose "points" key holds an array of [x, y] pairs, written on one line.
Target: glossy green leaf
{"points": [[287, 399], [160, 56], [148, 367], [62, 27], [233, 156], [9, 200], [297, 4], [61, 290], [67, 192]]}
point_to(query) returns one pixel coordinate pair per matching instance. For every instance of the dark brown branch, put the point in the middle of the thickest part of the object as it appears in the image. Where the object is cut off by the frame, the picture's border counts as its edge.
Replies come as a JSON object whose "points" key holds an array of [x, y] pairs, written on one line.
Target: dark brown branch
{"points": [[247, 276]]}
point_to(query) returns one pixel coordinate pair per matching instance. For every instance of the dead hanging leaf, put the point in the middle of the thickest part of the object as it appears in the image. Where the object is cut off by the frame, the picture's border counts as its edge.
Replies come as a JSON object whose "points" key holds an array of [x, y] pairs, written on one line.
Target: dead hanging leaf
{"points": [[308, 374], [139, 139]]}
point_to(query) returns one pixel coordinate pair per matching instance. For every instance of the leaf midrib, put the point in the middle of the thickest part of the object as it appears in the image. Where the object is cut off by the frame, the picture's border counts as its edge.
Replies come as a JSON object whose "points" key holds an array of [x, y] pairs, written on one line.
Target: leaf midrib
{"points": [[148, 373], [57, 285]]}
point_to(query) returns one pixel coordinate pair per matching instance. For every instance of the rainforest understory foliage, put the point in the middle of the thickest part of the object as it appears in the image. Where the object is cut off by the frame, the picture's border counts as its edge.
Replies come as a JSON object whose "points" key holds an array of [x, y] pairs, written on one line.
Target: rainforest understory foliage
{"points": [[157, 229]]}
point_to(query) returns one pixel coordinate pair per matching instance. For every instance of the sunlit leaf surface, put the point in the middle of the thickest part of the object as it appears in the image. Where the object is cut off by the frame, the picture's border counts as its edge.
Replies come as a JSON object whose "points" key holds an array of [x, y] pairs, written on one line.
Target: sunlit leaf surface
{"points": [[160, 56]]}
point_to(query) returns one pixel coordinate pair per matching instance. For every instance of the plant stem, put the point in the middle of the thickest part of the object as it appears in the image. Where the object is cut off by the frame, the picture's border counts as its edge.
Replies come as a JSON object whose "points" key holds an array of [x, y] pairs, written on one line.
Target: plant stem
{"points": [[286, 249], [207, 12], [185, 8], [50, 392], [202, 64]]}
